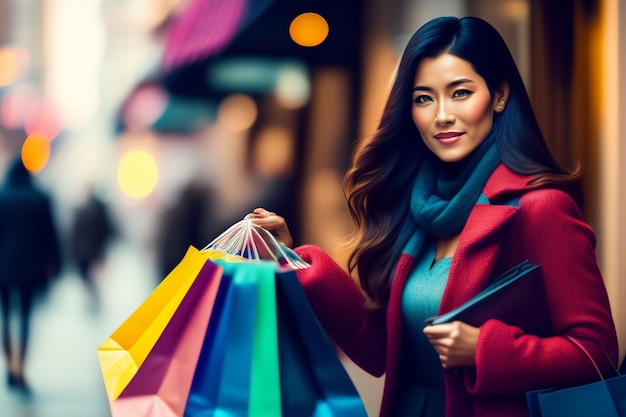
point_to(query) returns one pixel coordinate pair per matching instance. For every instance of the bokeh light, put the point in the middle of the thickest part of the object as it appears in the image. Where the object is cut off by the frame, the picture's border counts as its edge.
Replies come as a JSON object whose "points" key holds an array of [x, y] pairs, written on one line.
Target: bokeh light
{"points": [[35, 153], [293, 88], [274, 152], [15, 104], [308, 29], [237, 112], [144, 107], [43, 118], [13, 64], [137, 174], [250, 75]]}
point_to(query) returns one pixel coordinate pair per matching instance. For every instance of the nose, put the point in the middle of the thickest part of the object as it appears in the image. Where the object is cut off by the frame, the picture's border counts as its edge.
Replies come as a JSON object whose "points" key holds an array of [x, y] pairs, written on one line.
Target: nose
{"points": [[443, 117]]}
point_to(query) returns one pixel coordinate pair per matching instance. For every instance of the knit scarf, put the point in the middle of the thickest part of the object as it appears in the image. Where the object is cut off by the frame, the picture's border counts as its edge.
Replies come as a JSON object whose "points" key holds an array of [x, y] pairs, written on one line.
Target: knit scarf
{"points": [[444, 193]]}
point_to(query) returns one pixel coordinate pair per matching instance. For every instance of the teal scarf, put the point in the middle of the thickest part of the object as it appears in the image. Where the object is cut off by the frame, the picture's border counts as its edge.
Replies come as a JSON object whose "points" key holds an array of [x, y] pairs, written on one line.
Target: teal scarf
{"points": [[444, 193]]}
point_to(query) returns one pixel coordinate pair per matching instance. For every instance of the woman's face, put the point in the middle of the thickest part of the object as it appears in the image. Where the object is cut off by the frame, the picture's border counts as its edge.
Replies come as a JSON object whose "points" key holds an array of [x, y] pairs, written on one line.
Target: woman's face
{"points": [[452, 108]]}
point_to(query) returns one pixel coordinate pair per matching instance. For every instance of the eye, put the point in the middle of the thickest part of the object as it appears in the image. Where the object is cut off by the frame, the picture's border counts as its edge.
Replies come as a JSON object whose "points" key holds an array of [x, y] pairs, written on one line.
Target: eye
{"points": [[461, 93], [422, 99]]}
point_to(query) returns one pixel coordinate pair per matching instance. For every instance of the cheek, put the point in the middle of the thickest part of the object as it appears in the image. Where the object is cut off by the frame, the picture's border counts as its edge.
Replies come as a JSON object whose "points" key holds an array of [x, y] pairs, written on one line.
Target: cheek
{"points": [[479, 114], [422, 121]]}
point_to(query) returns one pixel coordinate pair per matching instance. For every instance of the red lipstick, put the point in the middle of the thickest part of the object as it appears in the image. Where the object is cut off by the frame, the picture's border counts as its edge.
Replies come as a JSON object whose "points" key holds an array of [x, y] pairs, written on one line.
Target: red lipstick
{"points": [[448, 138]]}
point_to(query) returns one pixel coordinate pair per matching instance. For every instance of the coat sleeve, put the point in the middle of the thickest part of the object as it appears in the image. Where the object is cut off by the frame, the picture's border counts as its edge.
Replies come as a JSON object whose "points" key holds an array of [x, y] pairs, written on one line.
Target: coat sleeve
{"points": [[339, 305], [550, 231]]}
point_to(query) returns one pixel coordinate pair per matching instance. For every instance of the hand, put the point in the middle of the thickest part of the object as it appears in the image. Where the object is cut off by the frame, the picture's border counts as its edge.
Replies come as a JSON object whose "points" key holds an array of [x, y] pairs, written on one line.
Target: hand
{"points": [[455, 343], [274, 224]]}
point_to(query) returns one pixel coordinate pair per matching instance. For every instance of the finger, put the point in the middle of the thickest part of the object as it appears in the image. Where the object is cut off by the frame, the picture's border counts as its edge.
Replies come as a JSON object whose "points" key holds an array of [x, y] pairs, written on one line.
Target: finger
{"points": [[260, 212], [437, 331], [444, 361], [442, 345]]}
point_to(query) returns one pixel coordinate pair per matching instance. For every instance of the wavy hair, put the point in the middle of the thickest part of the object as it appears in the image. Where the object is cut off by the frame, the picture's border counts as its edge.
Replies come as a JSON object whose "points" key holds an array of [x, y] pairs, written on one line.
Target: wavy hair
{"points": [[384, 166]]}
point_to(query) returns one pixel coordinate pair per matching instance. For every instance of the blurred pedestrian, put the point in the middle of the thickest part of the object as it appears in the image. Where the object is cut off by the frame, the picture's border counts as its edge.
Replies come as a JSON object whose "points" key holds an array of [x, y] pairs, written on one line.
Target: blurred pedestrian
{"points": [[91, 231], [185, 223], [29, 259]]}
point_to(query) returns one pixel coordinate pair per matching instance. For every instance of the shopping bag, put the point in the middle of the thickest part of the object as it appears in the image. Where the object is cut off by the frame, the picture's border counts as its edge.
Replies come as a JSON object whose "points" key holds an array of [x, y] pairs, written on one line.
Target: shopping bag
{"points": [[314, 382], [265, 383], [268, 355], [237, 371], [162, 382], [218, 337], [604, 398], [294, 369], [121, 355]]}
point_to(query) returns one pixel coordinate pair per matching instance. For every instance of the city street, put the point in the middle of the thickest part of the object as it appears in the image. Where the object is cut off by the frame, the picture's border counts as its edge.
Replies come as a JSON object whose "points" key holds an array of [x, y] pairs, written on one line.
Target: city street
{"points": [[68, 325]]}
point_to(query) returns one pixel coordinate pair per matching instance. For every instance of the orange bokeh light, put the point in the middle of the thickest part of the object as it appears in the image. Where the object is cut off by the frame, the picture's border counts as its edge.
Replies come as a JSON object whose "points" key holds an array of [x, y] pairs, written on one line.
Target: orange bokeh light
{"points": [[308, 29], [35, 153], [237, 112]]}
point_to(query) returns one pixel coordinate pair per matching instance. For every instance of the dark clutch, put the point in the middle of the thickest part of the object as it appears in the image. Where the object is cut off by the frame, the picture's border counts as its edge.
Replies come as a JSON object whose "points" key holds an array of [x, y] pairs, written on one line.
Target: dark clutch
{"points": [[516, 297]]}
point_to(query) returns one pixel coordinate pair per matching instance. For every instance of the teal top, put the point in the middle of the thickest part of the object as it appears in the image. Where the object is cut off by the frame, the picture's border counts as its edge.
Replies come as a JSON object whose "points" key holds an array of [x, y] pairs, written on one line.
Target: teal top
{"points": [[421, 386]]}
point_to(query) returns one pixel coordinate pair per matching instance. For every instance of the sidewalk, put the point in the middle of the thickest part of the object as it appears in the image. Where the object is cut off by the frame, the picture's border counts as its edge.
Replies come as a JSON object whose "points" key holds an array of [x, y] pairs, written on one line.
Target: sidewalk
{"points": [[62, 363]]}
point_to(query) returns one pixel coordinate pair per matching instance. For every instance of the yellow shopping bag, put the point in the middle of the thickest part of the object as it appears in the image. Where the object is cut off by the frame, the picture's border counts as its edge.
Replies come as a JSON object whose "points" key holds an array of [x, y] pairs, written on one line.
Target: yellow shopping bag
{"points": [[125, 350]]}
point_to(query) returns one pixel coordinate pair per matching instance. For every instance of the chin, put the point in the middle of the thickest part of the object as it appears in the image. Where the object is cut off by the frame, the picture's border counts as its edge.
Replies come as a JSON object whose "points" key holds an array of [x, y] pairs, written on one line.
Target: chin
{"points": [[447, 157]]}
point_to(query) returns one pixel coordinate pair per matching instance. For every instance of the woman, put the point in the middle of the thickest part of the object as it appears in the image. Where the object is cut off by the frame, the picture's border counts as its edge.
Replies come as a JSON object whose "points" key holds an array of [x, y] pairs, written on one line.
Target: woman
{"points": [[455, 187]]}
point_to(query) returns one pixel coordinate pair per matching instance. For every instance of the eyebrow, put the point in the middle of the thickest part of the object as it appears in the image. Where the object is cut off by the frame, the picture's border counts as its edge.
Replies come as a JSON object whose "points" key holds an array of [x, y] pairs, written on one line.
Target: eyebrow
{"points": [[448, 86]]}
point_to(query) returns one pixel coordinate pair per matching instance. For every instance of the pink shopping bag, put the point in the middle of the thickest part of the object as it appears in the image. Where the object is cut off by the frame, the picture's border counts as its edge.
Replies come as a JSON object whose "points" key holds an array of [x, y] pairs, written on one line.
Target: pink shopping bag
{"points": [[161, 385]]}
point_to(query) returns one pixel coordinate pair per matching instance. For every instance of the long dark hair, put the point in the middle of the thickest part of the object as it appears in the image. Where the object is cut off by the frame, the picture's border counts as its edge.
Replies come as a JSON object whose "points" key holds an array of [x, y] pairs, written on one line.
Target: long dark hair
{"points": [[385, 164]]}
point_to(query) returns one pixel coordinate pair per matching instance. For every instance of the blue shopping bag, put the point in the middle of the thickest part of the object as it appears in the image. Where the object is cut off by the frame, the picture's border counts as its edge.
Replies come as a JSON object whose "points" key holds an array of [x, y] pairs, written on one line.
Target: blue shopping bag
{"points": [[222, 377], [603, 398], [314, 382], [241, 371]]}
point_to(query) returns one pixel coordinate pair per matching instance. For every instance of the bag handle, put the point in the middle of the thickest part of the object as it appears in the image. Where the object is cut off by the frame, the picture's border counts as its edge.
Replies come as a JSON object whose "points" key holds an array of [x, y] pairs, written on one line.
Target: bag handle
{"points": [[595, 365], [252, 242]]}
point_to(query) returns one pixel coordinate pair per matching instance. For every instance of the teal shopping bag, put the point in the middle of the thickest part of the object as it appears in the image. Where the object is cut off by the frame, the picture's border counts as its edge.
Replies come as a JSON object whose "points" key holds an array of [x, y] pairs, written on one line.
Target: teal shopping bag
{"points": [[603, 398], [314, 382], [606, 398], [265, 353]]}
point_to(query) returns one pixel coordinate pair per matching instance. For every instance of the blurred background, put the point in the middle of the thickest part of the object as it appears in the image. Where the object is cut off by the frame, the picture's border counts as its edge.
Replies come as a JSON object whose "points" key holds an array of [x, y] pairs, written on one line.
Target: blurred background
{"points": [[156, 124]]}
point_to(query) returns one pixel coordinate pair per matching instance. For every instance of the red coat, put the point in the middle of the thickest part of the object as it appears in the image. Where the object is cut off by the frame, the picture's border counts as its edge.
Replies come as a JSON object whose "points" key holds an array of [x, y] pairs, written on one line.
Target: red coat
{"points": [[544, 226]]}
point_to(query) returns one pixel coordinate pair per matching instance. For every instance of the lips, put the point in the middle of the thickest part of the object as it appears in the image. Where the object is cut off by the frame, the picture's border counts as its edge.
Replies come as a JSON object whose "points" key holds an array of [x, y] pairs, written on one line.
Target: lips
{"points": [[448, 135], [448, 138]]}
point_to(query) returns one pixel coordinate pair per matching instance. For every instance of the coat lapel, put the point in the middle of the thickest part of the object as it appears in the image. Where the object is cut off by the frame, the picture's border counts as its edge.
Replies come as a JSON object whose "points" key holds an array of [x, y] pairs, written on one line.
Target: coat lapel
{"points": [[480, 242]]}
